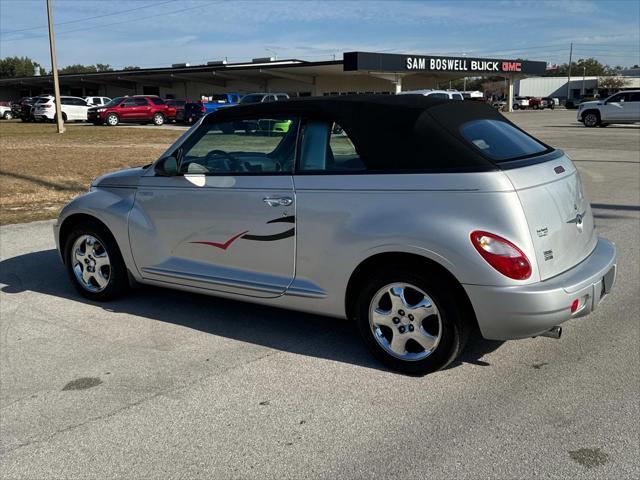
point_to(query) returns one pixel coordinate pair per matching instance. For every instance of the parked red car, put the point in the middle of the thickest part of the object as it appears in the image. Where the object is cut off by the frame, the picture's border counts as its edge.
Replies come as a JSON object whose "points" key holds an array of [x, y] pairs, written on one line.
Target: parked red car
{"points": [[135, 109], [536, 103], [175, 108]]}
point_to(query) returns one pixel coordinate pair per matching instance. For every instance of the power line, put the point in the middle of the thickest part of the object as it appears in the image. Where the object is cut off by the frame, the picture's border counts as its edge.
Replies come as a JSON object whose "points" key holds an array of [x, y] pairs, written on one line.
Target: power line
{"points": [[88, 18], [112, 24]]}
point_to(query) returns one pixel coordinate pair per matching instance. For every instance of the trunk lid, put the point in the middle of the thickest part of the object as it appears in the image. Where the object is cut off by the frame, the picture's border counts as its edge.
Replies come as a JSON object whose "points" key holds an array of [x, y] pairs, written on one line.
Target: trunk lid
{"points": [[558, 215]]}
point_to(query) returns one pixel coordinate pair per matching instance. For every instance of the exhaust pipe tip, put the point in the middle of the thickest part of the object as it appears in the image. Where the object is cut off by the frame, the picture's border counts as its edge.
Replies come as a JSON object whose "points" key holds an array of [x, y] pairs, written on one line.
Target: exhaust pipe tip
{"points": [[553, 332]]}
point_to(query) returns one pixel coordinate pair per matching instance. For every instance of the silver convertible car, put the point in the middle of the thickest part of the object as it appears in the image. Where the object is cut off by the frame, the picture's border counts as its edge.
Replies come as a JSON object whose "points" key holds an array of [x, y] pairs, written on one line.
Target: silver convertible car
{"points": [[424, 220]]}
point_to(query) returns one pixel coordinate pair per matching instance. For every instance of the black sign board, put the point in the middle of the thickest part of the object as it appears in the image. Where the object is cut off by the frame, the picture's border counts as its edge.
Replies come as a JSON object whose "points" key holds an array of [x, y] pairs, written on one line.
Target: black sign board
{"points": [[391, 62]]}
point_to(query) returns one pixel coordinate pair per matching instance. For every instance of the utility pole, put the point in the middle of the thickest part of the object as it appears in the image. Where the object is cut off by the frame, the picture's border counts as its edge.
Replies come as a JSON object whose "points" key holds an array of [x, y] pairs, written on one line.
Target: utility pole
{"points": [[584, 71], [569, 73], [54, 70]]}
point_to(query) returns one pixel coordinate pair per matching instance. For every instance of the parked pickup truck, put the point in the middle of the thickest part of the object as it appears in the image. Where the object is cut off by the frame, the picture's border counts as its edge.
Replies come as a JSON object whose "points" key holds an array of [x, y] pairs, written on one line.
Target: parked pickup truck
{"points": [[193, 111]]}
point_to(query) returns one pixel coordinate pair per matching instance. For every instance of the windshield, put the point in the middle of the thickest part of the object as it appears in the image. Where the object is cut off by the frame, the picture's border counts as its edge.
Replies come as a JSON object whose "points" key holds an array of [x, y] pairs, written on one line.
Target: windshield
{"points": [[500, 141], [256, 98], [114, 102]]}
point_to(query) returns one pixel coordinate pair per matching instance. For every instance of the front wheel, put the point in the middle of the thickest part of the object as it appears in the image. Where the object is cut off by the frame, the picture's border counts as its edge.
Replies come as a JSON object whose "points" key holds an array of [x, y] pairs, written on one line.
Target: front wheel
{"points": [[94, 263], [7, 115], [112, 120], [411, 322], [516, 107], [591, 120], [158, 119]]}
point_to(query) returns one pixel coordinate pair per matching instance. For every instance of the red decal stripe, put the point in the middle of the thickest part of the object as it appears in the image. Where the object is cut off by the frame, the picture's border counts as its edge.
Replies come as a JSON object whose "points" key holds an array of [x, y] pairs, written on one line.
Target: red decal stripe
{"points": [[224, 245]]}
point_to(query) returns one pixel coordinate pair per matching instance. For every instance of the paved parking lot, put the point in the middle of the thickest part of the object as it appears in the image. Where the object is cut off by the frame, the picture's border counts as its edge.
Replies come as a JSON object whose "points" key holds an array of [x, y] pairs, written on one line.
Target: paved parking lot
{"points": [[164, 384]]}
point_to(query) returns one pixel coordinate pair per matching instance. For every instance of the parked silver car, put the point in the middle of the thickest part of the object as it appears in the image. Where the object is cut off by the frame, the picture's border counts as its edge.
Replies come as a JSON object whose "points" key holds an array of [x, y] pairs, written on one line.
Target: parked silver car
{"points": [[422, 220]]}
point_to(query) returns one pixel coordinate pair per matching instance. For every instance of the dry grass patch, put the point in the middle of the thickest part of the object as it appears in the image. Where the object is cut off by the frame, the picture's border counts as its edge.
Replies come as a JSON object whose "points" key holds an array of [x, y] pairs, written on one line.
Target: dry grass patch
{"points": [[41, 170]]}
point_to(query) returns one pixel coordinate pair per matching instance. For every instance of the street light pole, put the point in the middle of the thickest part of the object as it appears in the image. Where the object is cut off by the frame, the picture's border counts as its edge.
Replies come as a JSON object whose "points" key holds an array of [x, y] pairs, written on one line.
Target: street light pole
{"points": [[584, 71], [569, 73], [54, 70]]}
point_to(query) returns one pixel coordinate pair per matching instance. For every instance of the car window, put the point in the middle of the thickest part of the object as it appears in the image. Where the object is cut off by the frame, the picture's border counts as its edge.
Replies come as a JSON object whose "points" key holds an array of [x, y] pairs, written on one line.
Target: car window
{"points": [[65, 101], [499, 140], [634, 97], [114, 102], [457, 96], [268, 98], [327, 148], [282, 97], [129, 102], [253, 98], [249, 147], [439, 95], [619, 97], [78, 102], [156, 101], [140, 102]]}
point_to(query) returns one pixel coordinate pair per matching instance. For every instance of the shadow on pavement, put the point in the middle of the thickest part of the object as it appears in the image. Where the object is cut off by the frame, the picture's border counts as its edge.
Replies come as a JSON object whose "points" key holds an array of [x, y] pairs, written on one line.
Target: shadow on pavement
{"points": [[280, 329]]}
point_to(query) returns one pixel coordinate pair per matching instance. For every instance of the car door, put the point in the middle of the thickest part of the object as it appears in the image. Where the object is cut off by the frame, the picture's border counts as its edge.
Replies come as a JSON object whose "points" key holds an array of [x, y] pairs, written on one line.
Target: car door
{"points": [[613, 108], [632, 107], [225, 221], [126, 109], [80, 109]]}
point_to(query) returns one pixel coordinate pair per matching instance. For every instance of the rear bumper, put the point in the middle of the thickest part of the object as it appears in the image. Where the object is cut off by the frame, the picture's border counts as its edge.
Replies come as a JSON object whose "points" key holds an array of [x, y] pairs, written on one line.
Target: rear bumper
{"points": [[506, 313]]}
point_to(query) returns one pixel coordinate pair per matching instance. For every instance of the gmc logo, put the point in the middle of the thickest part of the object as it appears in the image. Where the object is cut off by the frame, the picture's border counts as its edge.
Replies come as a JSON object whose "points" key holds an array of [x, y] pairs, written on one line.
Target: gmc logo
{"points": [[511, 66]]}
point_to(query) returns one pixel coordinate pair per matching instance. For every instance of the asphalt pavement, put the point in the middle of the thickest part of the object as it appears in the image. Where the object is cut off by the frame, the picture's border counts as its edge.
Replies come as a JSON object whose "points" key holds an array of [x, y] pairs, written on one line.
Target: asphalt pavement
{"points": [[167, 384]]}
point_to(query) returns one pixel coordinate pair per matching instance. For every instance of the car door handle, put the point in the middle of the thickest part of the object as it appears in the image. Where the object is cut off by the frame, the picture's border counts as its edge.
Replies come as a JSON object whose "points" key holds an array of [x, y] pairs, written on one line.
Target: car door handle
{"points": [[278, 201]]}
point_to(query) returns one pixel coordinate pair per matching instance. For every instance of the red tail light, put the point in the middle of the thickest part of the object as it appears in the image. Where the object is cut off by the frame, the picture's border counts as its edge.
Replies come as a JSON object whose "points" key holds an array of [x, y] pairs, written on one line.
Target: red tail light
{"points": [[502, 255], [203, 109]]}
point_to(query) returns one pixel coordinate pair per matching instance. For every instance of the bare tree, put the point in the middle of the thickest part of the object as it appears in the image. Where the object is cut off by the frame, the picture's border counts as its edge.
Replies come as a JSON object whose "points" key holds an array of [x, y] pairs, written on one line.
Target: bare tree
{"points": [[612, 83]]}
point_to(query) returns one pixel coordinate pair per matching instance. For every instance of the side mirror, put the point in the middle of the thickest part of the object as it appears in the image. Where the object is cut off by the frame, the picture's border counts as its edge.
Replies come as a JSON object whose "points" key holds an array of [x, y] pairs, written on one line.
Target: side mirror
{"points": [[167, 167]]}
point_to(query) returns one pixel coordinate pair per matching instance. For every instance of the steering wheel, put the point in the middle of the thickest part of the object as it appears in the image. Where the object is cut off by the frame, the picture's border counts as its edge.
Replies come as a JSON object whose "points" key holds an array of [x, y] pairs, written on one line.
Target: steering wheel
{"points": [[221, 160]]}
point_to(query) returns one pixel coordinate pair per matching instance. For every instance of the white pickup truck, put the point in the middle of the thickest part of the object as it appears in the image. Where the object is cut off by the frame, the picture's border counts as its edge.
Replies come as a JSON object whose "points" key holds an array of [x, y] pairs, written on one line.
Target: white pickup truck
{"points": [[622, 107]]}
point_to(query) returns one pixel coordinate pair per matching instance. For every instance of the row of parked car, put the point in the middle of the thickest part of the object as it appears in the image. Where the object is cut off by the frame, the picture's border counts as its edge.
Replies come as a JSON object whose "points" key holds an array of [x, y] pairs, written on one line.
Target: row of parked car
{"points": [[524, 103], [129, 109]]}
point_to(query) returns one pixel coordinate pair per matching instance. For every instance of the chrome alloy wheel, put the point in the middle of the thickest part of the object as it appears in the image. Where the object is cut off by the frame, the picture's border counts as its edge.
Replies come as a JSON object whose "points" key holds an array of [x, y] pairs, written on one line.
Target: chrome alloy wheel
{"points": [[405, 321], [91, 264], [112, 120]]}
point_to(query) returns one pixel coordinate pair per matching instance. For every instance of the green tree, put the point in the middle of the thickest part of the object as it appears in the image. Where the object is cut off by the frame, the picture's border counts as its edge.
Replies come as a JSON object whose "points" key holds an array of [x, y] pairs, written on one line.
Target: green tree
{"points": [[103, 67], [17, 67], [612, 83], [131, 67], [590, 66], [78, 68]]}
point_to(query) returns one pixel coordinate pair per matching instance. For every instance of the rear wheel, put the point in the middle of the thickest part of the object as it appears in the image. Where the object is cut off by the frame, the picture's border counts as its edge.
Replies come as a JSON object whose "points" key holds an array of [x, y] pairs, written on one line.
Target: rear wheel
{"points": [[64, 117], [516, 107], [591, 119], [112, 120], [158, 119], [411, 322]]}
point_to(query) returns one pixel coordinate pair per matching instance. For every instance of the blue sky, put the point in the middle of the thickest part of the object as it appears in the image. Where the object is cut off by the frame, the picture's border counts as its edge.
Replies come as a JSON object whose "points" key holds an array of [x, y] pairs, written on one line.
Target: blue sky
{"points": [[161, 32]]}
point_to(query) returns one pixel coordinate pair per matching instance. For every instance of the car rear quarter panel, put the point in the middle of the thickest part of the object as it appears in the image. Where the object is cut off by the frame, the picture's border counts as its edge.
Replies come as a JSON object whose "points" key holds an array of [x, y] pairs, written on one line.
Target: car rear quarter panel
{"points": [[343, 220]]}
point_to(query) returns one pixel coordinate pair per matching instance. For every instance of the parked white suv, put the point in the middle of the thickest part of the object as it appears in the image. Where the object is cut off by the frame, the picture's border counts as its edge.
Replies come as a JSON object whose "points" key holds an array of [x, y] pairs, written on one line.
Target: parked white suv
{"points": [[97, 101], [73, 109], [5, 112], [444, 94], [520, 103], [622, 107]]}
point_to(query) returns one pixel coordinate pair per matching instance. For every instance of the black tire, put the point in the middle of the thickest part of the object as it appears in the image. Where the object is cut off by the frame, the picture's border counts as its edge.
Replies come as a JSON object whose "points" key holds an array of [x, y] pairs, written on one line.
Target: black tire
{"points": [[64, 118], [8, 115], [591, 119], [454, 331], [158, 119], [516, 107], [112, 120], [118, 282]]}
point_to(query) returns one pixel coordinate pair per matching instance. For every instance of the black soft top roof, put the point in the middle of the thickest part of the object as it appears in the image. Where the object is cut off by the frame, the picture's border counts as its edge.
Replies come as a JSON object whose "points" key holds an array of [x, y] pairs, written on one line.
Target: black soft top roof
{"points": [[419, 133]]}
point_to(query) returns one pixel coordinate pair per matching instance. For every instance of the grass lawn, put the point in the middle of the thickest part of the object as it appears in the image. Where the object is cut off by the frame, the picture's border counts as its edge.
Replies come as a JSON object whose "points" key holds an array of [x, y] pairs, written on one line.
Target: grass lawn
{"points": [[40, 170]]}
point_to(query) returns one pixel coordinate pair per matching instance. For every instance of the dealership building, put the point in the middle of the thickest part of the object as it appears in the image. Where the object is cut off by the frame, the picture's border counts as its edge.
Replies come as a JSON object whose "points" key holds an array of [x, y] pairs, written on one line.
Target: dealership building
{"points": [[357, 72]]}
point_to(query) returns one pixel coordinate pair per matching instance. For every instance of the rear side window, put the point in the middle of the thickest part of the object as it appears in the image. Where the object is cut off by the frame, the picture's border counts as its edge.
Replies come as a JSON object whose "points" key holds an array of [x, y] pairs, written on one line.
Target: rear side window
{"points": [[141, 102], [157, 101], [326, 148], [443, 96], [500, 141]]}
